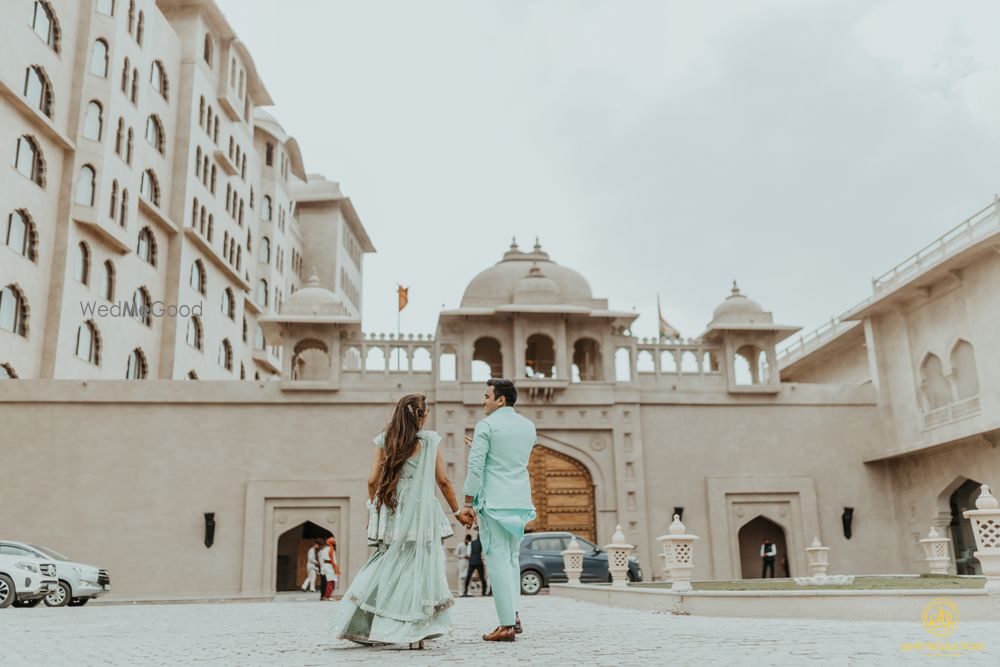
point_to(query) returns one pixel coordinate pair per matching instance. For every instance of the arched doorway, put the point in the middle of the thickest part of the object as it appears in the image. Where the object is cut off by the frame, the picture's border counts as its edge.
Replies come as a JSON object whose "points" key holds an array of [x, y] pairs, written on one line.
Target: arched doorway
{"points": [[751, 536], [962, 539], [563, 493], [293, 546]]}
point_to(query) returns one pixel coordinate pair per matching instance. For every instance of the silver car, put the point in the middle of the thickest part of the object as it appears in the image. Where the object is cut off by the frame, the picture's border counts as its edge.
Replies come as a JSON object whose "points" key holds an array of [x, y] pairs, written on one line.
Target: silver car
{"points": [[78, 583]]}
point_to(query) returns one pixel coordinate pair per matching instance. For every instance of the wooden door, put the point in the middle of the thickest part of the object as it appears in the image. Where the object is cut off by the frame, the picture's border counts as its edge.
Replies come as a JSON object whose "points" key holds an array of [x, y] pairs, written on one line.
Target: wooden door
{"points": [[563, 493]]}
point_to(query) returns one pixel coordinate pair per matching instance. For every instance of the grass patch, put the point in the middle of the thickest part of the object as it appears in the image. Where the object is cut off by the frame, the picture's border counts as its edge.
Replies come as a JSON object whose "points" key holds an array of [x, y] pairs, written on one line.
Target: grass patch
{"points": [[869, 583]]}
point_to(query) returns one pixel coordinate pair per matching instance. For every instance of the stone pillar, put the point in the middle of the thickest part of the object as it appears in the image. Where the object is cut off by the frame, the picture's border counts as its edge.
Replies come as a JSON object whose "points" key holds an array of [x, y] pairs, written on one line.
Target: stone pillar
{"points": [[818, 558], [936, 552], [678, 548], [573, 561], [618, 553], [985, 521]]}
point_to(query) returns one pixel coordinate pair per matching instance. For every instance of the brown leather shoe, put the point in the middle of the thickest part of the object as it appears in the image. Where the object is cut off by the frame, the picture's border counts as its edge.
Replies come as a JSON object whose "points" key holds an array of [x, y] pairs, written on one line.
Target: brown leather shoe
{"points": [[517, 625], [501, 634]]}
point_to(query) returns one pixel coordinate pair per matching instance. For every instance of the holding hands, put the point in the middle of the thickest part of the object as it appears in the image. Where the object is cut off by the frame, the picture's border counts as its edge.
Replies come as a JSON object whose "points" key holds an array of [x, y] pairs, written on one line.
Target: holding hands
{"points": [[466, 516]]}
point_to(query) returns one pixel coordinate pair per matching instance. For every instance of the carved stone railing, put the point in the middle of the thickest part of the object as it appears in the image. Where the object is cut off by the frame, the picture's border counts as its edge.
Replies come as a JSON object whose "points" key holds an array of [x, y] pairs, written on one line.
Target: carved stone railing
{"points": [[388, 353], [952, 412], [683, 358]]}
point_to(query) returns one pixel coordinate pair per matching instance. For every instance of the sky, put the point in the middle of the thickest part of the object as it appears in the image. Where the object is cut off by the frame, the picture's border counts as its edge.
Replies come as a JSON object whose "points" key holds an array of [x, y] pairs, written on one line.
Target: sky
{"points": [[669, 147]]}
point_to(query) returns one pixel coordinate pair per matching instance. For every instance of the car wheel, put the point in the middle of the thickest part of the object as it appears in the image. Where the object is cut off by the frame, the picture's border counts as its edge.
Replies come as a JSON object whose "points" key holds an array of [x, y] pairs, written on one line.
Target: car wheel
{"points": [[78, 602], [531, 582], [59, 597], [6, 591]]}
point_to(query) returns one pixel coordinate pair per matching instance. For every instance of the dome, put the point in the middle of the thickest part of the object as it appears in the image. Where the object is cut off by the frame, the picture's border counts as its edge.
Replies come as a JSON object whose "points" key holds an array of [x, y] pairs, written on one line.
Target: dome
{"points": [[738, 308], [527, 277], [312, 299]]}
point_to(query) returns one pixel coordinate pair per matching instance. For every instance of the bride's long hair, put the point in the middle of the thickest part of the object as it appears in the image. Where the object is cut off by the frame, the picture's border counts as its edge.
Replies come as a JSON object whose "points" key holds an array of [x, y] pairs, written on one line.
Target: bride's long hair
{"points": [[400, 443]]}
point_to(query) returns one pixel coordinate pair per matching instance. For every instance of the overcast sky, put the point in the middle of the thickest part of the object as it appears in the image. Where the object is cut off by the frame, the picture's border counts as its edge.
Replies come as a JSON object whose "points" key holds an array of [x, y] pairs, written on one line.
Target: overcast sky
{"points": [[798, 147]]}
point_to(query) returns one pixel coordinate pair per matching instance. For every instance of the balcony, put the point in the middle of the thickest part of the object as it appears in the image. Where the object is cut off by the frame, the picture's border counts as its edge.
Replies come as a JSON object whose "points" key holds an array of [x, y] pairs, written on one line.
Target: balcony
{"points": [[968, 407], [36, 117], [203, 244], [157, 214], [227, 165], [110, 234]]}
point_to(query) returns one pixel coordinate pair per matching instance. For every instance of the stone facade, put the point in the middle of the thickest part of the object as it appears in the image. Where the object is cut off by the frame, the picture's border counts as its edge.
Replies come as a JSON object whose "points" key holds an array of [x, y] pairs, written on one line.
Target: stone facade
{"points": [[861, 435]]}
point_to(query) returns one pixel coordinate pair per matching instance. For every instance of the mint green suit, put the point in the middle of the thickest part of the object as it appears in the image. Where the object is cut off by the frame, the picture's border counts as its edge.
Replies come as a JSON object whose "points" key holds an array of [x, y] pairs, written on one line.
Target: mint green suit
{"points": [[499, 484]]}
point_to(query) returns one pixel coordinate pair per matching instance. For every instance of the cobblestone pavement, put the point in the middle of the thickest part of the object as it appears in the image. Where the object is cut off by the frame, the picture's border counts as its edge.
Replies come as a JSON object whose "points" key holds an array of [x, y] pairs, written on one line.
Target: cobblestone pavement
{"points": [[557, 631]]}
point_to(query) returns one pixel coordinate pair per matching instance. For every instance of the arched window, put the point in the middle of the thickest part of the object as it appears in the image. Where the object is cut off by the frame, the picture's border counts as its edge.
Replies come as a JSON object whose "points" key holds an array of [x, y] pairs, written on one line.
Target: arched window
{"points": [[232, 72], [142, 306], [207, 49], [108, 281], [140, 28], [487, 359], [29, 161], [13, 311], [134, 94], [119, 136], [85, 186], [211, 227], [123, 215], [131, 16], [125, 70], [242, 82], [82, 269], [194, 332], [128, 147], [262, 293], [7, 372], [587, 364], [623, 365], [99, 59], [106, 7], [963, 370], [114, 199], [158, 77], [936, 391], [211, 187], [540, 357], [136, 368], [243, 371], [45, 24], [264, 254], [154, 133], [258, 339], [22, 237], [228, 306], [93, 121], [146, 248], [226, 354], [149, 187], [265, 208], [88, 343], [269, 154], [38, 90], [197, 279]]}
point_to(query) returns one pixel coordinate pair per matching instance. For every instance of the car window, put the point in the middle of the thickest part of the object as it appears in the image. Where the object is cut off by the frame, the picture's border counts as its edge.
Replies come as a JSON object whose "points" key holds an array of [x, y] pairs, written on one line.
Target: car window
{"points": [[548, 544], [49, 552], [585, 545], [9, 550]]}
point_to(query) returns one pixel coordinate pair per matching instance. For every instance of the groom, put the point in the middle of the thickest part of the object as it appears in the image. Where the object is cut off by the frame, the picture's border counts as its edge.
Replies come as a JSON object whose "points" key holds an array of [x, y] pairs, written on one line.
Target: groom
{"points": [[498, 489]]}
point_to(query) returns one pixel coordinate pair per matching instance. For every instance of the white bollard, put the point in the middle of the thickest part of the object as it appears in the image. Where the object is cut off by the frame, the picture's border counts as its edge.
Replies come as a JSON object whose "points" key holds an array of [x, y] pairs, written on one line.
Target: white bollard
{"points": [[618, 553], [936, 552], [573, 561], [818, 558], [986, 526], [678, 551]]}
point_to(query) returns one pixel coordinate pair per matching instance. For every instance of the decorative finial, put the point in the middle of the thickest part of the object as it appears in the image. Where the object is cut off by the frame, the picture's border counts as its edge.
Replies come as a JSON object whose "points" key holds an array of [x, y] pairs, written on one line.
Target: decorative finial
{"points": [[986, 500], [513, 243], [677, 528], [815, 543], [313, 279], [933, 534], [736, 289], [619, 536], [538, 246]]}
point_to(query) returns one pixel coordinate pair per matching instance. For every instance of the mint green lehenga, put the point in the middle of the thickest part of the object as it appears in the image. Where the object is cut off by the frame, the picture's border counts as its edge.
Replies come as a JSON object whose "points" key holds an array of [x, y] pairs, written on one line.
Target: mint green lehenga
{"points": [[401, 594]]}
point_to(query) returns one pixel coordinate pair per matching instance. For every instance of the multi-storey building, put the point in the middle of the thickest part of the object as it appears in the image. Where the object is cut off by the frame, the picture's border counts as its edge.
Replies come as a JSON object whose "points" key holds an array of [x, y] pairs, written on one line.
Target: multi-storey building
{"points": [[150, 208]]}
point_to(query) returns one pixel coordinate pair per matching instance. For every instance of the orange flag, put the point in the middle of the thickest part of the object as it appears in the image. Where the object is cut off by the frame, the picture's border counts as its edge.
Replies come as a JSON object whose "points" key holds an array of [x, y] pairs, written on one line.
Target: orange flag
{"points": [[404, 296]]}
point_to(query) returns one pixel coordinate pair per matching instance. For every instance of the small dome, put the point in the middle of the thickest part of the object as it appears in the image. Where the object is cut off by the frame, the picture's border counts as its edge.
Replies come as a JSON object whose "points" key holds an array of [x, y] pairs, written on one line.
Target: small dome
{"points": [[506, 281], [738, 308], [312, 299], [536, 288]]}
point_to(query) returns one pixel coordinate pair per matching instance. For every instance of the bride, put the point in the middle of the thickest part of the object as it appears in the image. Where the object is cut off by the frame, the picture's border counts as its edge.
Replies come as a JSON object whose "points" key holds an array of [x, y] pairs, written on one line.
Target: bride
{"points": [[401, 594]]}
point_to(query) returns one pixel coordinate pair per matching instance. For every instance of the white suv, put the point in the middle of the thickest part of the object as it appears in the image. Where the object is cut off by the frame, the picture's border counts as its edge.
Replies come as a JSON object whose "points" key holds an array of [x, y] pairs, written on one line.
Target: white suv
{"points": [[77, 583], [25, 579]]}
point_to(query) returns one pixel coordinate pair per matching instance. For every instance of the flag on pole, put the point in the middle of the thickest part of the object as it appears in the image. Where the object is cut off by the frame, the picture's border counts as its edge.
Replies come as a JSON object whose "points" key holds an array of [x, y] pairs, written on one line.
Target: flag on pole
{"points": [[666, 331], [404, 296]]}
